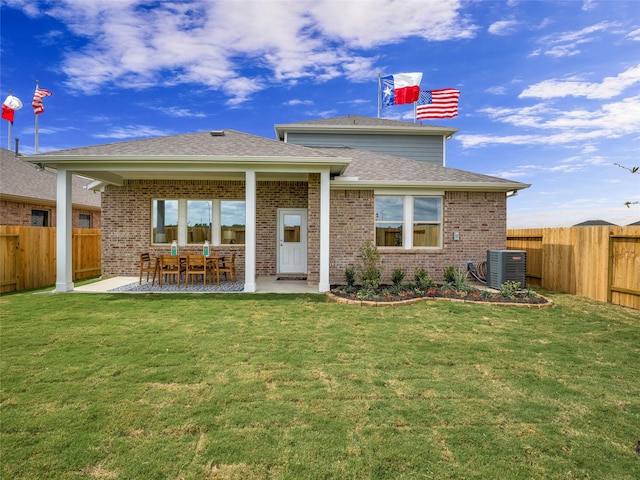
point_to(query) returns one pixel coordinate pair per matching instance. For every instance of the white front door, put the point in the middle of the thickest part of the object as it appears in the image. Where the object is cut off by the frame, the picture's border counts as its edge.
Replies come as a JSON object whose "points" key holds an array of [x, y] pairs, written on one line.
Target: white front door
{"points": [[292, 240]]}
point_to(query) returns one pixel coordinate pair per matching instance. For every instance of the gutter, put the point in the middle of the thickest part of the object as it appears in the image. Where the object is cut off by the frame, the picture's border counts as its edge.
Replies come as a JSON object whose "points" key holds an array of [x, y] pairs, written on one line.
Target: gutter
{"points": [[350, 183]]}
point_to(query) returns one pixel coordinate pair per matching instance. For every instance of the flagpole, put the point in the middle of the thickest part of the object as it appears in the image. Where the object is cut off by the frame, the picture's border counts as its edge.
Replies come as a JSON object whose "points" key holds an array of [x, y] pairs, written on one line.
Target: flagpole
{"points": [[36, 145], [9, 129], [379, 92]]}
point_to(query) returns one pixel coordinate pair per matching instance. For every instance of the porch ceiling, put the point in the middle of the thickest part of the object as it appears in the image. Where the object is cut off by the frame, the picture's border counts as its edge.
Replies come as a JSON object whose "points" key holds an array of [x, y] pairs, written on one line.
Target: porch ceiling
{"points": [[118, 177]]}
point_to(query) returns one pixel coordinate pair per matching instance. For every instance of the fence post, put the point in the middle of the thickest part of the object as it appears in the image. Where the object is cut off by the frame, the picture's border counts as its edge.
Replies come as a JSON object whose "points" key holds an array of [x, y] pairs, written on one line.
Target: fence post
{"points": [[610, 271]]}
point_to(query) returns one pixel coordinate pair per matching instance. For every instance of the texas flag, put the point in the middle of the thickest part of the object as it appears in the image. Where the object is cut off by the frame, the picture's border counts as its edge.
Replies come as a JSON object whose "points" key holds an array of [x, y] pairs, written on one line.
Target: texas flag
{"points": [[400, 88], [9, 107]]}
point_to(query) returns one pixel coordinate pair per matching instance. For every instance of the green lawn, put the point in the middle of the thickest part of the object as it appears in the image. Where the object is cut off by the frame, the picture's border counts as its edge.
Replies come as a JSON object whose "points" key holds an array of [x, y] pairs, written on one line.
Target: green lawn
{"points": [[238, 386]]}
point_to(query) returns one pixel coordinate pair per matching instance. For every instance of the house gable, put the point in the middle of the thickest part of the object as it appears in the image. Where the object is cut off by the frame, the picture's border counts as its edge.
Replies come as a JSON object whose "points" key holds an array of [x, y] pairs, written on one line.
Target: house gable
{"points": [[425, 143]]}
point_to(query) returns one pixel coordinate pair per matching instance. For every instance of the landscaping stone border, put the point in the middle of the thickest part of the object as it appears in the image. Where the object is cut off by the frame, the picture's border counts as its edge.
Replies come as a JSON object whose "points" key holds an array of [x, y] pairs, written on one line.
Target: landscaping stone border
{"points": [[398, 303]]}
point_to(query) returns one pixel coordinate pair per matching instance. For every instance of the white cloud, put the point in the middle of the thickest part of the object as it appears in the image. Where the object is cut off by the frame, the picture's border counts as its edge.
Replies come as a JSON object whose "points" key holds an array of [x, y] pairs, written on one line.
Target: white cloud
{"points": [[133, 131], [609, 87], [503, 27], [207, 43], [496, 90], [296, 102], [178, 112], [381, 22], [566, 44], [634, 35], [561, 127], [29, 7]]}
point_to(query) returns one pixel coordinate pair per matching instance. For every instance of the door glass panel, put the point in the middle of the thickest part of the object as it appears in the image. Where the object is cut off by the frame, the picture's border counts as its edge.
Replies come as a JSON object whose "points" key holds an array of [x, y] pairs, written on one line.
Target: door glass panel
{"points": [[291, 226]]}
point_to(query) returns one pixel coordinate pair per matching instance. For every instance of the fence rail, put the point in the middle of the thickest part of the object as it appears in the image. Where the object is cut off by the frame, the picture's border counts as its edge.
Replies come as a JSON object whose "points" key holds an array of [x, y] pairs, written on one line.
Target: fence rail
{"points": [[602, 263], [28, 256]]}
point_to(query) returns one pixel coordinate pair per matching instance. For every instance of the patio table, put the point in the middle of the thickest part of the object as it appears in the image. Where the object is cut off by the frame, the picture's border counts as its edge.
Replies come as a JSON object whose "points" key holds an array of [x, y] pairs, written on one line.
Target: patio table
{"points": [[213, 263]]}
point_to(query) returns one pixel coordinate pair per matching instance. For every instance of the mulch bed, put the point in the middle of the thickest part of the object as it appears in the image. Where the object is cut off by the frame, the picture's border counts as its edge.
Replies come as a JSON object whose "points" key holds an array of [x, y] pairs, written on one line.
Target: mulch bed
{"points": [[537, 301]]}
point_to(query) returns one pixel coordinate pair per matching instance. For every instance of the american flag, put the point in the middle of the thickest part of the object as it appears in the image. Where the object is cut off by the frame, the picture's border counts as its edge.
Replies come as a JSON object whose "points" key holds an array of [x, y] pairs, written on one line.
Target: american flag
{"points": [[38, 108], [441, 103]]}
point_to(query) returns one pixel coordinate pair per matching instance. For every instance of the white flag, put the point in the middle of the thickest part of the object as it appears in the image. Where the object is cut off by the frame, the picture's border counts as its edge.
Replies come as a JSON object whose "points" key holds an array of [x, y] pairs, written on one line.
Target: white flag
{"points": [[13, 103]]}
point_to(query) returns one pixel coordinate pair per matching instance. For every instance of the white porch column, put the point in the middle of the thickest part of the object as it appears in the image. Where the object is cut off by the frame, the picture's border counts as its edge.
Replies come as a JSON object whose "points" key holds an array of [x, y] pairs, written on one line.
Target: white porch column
{"points": [[250, 232], [324, 285], [407, 235], [64, 264]]}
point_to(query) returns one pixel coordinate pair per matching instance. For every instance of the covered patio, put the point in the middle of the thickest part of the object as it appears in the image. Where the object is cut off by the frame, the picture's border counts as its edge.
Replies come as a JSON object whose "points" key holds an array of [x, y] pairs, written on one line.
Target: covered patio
{"points": [[135, 177]]}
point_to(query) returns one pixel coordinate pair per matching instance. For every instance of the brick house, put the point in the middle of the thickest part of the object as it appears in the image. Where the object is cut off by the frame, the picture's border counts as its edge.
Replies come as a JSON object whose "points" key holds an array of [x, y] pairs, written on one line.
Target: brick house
{"points": [[302, 204], [28, 196]]}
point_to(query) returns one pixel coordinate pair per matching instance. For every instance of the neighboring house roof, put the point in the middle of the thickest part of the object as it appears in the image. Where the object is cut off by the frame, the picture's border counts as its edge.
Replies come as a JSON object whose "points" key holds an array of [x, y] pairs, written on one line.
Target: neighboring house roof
{"points": [[595, 223], [227, 153], [634, 224], [21, 181], [360, 124]]}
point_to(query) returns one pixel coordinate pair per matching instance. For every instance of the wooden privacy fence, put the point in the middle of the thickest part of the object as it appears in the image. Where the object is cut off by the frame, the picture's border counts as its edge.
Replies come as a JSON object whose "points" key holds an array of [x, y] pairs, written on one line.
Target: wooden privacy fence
{"points": [[28, 256], [602, 263]]}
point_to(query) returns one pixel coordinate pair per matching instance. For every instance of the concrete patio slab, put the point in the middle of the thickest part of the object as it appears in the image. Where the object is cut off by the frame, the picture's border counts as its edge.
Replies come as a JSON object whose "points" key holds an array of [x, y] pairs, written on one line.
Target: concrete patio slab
{"points": [[263, 285]]}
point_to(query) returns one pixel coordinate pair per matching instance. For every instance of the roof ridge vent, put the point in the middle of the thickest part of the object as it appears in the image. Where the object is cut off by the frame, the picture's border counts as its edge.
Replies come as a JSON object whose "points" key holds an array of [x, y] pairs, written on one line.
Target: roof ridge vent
{"points": [[217, 133]]}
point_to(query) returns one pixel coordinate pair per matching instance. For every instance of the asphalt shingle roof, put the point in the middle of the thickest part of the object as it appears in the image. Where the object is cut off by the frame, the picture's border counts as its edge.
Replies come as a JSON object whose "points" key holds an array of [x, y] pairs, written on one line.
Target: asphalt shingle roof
{"points": [[235, 145], [358, 120], [379, 167], [24, 180], [231, 144], [595, 223], [360, 124]]}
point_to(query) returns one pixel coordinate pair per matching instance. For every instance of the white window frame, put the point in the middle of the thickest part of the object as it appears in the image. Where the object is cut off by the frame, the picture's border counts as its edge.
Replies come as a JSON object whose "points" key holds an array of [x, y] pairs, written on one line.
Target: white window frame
{"points": [[216, 220], [408, 220]]}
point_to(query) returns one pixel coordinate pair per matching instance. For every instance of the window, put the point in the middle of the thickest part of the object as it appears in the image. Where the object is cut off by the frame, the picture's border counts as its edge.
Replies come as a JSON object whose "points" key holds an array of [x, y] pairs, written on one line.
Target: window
{"points": [[198, 221], [164, 221], [427, 219], [389, 221], [39, 218], [408, 221], [232, 221], [85, 220], [192, 222]]}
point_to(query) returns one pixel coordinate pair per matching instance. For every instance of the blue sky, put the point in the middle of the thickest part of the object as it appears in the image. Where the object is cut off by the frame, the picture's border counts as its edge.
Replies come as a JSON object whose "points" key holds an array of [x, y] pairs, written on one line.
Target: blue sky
{"points": [[550, 90]]}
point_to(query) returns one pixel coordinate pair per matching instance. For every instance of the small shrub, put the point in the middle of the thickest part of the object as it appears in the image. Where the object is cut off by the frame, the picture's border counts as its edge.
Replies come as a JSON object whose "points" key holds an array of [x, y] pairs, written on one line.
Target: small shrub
{"points": [[370, 268], [467, 288], [350, 276], [509, 289], [346, 289], [423, 279], [486, 294], [365, 294], [455, 278], [397, 277]]}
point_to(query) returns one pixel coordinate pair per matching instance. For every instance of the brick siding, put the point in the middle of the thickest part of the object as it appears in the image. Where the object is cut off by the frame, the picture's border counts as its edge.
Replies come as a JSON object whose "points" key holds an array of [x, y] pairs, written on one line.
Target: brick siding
{"points": [[479, 217], [19, 214], [126, 226]]}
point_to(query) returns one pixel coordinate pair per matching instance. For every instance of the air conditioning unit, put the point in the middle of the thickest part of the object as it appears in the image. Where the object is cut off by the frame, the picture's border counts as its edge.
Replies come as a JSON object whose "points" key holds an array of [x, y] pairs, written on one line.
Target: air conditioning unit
{"points": [[503, 265]]}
